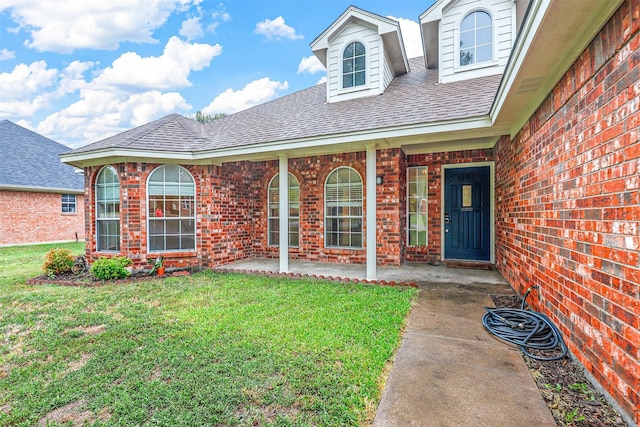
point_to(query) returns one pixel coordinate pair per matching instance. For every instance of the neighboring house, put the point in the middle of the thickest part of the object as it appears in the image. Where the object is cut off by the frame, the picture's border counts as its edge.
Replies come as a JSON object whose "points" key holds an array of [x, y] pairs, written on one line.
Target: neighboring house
{"points": [[513, 141], [41, 199]]}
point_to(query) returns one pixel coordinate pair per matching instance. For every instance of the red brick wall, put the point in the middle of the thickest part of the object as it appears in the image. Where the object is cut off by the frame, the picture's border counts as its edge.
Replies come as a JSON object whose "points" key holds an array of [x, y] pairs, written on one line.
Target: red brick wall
{"points": [[312, 173], [223, 214], [231, 211], [29, 217], [434, 161], [568, 207]]}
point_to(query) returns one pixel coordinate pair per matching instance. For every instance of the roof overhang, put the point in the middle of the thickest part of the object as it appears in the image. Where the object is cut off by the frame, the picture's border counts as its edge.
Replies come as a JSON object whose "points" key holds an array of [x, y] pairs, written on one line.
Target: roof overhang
{"points": [[477, 132], [34, 189], [553, 35], [388, 29]]}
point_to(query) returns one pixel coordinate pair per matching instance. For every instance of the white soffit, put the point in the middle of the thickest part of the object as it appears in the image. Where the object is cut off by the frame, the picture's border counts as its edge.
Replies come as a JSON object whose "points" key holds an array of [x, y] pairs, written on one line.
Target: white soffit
{"points": [[552, 37]]}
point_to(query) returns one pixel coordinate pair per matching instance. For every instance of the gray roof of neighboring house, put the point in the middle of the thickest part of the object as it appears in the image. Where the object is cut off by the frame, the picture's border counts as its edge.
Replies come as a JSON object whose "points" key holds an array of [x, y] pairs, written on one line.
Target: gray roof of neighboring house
{"points": [[412, 98], [30, 160]]}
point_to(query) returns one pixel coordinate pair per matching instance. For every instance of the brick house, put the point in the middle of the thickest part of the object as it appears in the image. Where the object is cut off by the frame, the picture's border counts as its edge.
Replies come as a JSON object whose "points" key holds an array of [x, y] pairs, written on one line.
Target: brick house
{"points": [[40, 198], [513, 141]]}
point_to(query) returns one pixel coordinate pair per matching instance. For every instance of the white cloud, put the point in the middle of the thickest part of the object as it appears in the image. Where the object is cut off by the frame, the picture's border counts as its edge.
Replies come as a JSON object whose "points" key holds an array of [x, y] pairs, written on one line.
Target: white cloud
{"points": [[191, 28], [30, 88], [131, 92], [218, 16], [310, 64], [411, 36], [72, 78], [62, 26], [6, 54], [22, 108], [276, 29], [26, 80], [170, 70], [323, 79], [221, 14], [100, 114], [254, 93]]}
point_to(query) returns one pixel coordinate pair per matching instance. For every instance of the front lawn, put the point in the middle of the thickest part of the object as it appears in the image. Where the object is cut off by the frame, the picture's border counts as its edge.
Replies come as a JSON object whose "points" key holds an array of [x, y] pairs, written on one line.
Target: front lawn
{"points": [[18, 263], [209, 349]]}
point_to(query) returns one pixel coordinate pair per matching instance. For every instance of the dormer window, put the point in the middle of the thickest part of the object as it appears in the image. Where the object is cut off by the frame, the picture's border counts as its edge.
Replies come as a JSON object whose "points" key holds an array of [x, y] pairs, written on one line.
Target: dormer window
{"points": [[476, 38], [353, 65]]}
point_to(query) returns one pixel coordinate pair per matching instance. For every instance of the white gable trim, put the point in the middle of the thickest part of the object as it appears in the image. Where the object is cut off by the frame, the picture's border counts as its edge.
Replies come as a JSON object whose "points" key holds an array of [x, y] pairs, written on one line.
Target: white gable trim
{"points": [[387, 28]]}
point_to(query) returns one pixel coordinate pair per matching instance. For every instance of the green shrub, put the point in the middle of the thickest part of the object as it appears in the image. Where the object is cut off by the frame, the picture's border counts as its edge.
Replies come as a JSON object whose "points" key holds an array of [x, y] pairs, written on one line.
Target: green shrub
{"points": [[58, 261], [110, 268]]}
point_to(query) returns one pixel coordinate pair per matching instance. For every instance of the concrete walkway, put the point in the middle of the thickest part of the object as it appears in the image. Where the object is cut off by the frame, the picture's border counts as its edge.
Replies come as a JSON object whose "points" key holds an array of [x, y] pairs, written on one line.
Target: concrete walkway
{"points": [[448, 371]]}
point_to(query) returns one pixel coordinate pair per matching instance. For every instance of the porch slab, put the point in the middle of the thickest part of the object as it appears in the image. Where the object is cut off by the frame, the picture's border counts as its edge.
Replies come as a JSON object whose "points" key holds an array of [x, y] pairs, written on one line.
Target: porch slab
{"points": [[409, 272], [448, 371]]}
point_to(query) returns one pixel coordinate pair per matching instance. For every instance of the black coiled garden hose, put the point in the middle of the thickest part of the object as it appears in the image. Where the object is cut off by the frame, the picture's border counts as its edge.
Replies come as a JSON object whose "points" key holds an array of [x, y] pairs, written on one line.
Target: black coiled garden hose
{"points": [[527, 329]]}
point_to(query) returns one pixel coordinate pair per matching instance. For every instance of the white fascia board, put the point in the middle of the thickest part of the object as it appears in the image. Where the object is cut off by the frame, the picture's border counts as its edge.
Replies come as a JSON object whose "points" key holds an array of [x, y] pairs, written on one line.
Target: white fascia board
{"points": [[34, 189], [518, 53], [89, 158], [434, 13]]}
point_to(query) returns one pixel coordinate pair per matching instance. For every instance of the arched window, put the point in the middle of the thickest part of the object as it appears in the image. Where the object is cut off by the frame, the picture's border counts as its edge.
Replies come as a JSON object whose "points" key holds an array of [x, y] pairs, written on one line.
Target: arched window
{"points": [[353, 65], [171, 204], [343, 208], [274, 211], [108, 210], [476, 38]]}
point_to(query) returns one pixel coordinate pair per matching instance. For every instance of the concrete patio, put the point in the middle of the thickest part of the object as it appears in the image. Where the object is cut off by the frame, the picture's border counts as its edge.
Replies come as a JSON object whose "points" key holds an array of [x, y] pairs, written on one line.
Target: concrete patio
{"points": [[448, 371]]}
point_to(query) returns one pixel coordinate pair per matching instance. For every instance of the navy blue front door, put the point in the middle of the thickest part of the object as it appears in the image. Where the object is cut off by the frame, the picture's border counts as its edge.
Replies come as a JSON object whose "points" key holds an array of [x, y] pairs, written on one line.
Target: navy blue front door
{"points": [[467, 207]]}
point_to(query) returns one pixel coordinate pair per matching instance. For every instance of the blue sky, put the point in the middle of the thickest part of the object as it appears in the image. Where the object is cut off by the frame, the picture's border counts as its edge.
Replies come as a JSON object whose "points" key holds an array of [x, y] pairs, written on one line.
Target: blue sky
{"points": [[78, 71]]}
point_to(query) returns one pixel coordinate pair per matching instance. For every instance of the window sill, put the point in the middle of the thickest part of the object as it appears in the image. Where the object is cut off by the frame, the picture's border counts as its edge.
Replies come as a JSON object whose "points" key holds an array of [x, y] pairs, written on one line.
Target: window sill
{"points": [[69, 213], [463, 68], [174, 253], [354, 89]]}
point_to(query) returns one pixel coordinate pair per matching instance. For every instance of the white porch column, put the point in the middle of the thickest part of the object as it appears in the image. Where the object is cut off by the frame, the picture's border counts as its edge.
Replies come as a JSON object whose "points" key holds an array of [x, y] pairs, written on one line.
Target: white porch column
{"points": [[283, 208], [371, 212]]}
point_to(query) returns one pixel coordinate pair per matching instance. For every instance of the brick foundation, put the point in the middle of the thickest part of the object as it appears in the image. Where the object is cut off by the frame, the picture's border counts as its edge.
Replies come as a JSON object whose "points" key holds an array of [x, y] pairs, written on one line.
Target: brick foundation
{"points": [[30, 217], [568, 207]]}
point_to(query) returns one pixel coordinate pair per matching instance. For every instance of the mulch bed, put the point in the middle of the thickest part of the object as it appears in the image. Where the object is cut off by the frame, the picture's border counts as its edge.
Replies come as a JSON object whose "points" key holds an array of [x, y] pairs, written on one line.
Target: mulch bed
{"points": [[569, 395], [87, 279]]}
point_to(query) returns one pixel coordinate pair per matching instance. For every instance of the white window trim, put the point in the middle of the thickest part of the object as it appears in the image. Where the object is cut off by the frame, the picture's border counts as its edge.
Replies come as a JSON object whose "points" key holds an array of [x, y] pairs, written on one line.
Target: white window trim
{"points": [[97, 219], [69, 204], [457, 68], [367, 68], [269, 217], [355, 248], [426, 199], [195, 203]]}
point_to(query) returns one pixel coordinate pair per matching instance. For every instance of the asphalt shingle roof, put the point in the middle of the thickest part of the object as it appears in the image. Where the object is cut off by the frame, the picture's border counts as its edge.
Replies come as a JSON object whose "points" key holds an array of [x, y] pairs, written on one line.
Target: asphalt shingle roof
{"points": [[28, 159], [410, 99]]}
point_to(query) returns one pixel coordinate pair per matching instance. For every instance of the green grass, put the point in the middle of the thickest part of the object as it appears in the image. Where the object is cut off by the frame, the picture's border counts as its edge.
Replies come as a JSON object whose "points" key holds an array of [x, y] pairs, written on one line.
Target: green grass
{"points": [[209, 349], [18, 263]]}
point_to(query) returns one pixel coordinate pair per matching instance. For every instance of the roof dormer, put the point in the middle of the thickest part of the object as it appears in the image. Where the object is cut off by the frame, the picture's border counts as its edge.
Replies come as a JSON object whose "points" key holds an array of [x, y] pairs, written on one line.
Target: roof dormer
{"points": [[467, 39], [362, 53]]}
